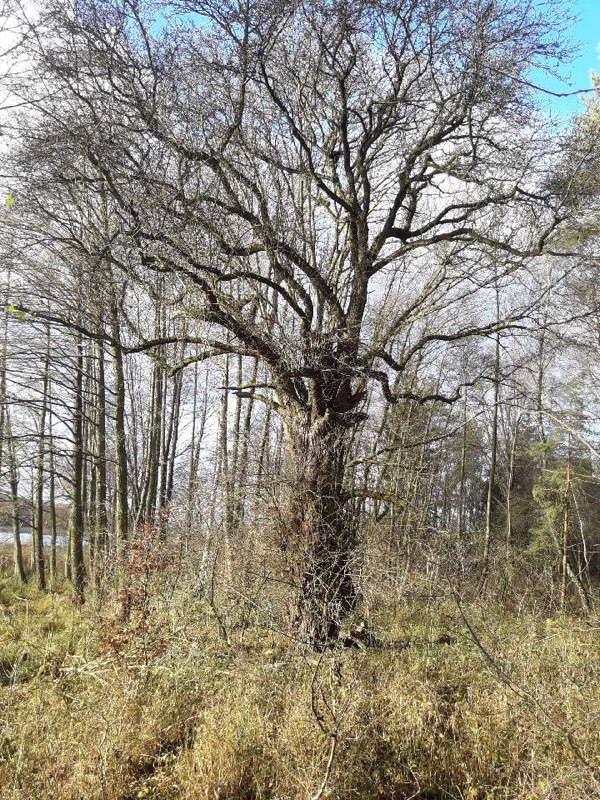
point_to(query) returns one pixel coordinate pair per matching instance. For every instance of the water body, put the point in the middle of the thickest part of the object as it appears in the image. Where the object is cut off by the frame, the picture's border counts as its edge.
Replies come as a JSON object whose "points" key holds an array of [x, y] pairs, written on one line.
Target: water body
{"points": [[6, 537]]}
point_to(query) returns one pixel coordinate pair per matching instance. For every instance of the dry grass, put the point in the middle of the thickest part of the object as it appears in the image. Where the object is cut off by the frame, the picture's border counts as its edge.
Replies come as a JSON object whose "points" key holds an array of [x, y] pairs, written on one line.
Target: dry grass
{"points": [[195, 718]]}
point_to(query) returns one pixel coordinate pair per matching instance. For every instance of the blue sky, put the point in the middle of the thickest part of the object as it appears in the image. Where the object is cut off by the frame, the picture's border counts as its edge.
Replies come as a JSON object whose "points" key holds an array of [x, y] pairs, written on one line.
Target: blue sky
{"points": [[586, 32]]}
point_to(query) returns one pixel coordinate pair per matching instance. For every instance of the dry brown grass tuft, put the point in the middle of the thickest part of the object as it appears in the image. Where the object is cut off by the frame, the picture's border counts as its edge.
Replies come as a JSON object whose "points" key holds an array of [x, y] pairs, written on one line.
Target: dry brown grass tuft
{"points": [[258, 719]]}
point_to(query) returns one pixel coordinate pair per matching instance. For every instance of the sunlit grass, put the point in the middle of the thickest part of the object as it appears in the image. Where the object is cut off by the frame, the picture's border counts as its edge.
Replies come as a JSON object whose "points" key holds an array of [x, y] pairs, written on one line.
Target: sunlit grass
{"points": [[197, 718]]}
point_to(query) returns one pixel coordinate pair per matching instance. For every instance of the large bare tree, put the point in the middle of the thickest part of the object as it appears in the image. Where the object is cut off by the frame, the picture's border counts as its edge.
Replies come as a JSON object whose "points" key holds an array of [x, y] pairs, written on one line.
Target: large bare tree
{"points": [[337, 189]]}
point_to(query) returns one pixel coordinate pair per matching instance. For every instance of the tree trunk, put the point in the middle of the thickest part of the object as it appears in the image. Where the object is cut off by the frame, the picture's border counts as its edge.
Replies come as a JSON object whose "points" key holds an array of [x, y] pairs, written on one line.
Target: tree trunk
{"points": [[197, 435], [38, 531], [151, 486], [319, 541], [13, 471], [76, 523], [565, 530], [509, 488], [261, 468], [100, 512], [121, 503], [169, 451], [226, 459], [491, 488], [463, 476], [52, 498]]}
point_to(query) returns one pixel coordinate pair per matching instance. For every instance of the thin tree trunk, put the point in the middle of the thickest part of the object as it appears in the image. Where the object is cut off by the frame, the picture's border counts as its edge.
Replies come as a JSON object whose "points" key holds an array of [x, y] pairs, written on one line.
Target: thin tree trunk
{"points": [[38, 532], [3, 368], [76, 523], [174, 438], [13, 471], [242, 472], [150, 488], [99, 466], [226, 477], [170, 451], [195, 445], [90, 416], [490, 499], [260, 467], [540, 397], [509, 486], [463, 475], [565, 529], [121, 501], [166, 433], [52, 493], [88, 422]]}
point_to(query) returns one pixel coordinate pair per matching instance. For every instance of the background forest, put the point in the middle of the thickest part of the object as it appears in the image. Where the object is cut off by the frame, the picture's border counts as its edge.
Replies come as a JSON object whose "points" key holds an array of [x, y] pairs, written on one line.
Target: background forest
{"points": [[299, 403]]}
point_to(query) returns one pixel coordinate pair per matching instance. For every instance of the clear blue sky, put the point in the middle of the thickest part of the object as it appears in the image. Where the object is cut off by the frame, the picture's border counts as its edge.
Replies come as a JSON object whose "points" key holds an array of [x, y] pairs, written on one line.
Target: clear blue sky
{"points": [[586, 32]]}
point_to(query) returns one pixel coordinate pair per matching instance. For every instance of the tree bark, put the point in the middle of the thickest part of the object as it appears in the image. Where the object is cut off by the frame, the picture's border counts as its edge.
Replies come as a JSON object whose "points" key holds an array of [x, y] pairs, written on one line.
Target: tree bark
{"points": [[52, 495], [121, 503], [76, 522], [320, 538], [491, 488], [565, 529], [100, 513], [38, 532], [13, 471], [151, 486]]}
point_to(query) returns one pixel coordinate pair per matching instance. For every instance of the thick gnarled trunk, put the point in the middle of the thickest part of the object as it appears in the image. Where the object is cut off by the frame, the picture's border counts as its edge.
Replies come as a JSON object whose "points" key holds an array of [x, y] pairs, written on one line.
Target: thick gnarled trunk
{"points": [[319, 539]]}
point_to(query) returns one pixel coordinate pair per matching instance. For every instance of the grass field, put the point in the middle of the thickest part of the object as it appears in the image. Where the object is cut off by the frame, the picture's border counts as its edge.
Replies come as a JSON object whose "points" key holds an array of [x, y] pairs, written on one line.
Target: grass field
{"points": [[91, 707]]}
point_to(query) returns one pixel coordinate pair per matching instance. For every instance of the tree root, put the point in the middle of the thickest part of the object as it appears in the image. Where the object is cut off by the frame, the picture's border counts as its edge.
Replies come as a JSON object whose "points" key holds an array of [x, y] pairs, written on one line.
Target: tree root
{"points": [[363, 639]]}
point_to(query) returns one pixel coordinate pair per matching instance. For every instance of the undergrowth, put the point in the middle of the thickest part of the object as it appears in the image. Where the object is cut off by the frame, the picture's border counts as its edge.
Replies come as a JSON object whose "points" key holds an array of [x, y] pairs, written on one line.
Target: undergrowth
{"points": [[508, 708]]}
